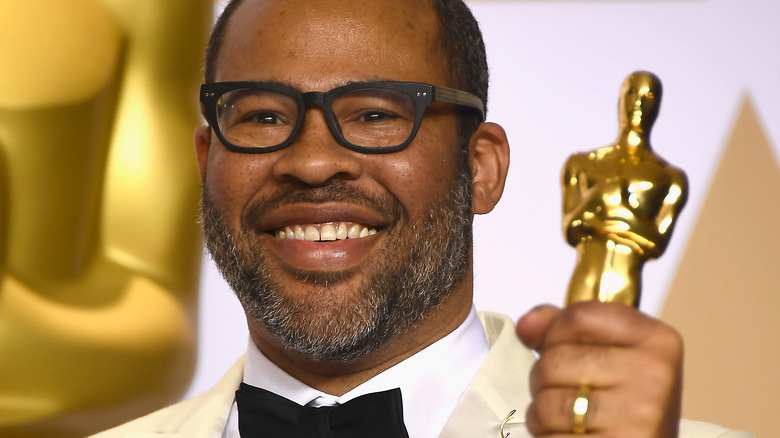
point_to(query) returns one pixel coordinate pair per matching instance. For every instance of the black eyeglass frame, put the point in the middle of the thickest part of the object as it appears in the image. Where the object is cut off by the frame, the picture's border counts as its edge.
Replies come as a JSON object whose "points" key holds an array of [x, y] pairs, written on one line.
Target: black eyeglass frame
{"points": [[422, 94]]}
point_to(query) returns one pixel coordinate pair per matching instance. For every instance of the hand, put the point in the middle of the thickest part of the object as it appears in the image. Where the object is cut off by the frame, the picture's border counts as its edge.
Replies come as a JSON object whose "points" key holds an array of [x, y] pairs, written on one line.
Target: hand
{"points": [[631, 362]]}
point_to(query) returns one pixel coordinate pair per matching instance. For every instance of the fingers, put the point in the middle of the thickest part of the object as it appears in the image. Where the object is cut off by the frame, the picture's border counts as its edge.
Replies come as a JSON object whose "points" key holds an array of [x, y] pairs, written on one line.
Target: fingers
{"points": [[593, 322], [631, 363], [608, 414], [624, 384], [603, 366], [574, 365], [552, 412], [533, 326]]}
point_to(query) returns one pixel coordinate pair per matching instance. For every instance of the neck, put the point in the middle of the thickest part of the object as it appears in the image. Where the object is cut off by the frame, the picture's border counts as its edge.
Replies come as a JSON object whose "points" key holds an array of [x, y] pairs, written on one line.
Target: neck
{"points": [[338, 378], [633, 139]]}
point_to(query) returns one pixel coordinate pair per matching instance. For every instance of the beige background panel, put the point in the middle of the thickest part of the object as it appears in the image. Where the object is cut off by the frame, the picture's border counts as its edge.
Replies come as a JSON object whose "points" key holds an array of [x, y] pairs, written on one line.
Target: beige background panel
{"points": [[725, 298]]}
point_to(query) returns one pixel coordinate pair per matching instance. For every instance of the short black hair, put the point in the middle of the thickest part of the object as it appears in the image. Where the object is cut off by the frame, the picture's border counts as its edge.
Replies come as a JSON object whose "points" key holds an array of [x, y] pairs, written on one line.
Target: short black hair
{"points": [[459, 37], [460, 41], [464, 49], [215, 40]]}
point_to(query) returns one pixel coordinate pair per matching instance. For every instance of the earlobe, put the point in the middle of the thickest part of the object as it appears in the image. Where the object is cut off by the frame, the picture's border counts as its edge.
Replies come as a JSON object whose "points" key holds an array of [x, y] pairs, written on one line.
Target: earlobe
{"points": [[202, 139], [489, 159]]}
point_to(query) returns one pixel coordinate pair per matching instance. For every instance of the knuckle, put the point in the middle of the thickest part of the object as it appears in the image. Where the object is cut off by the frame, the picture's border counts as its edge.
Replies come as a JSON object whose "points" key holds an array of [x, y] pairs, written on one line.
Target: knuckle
{"points": [[667, 342], [547, 367], [532, 421], [547, 411], [577, 313]]}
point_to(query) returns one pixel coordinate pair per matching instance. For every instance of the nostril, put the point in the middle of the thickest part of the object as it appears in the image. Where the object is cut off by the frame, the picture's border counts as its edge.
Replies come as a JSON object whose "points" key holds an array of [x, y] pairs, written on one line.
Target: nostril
{"points": [[314, 162]]}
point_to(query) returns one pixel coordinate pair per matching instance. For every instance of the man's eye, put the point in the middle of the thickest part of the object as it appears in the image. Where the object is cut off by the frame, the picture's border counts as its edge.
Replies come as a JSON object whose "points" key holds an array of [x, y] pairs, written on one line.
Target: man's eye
{"points": [[263, 118], [376, 116]]}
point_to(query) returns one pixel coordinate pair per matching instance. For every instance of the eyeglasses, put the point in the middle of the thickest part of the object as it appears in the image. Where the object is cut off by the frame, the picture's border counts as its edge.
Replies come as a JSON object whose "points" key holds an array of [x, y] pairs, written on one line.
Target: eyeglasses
{"points": [[368, 117]]}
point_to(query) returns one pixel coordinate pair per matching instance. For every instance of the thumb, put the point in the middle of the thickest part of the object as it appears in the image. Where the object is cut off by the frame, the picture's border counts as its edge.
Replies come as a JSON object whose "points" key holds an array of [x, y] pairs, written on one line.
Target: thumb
{"points": [[532, 327]]}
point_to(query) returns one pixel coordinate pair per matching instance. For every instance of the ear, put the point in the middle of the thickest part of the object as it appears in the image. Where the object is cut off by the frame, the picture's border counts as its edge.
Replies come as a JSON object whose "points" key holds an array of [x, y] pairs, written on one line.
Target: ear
{"points": [[202, 143], [489, 160]]}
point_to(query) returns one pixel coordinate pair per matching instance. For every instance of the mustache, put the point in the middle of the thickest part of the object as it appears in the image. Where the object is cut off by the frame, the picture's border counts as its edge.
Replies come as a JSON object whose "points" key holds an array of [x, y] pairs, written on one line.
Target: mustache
{"points": [[336, 191]]}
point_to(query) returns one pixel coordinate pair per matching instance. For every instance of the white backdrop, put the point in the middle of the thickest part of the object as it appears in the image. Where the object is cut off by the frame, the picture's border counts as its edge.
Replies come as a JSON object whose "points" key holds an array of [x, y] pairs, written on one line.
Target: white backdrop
{"points": [[556, 70]]}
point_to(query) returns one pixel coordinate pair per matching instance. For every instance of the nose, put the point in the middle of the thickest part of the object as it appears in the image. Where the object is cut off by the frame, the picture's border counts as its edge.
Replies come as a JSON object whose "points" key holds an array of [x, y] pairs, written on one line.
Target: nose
{"points": [[315, 158]]}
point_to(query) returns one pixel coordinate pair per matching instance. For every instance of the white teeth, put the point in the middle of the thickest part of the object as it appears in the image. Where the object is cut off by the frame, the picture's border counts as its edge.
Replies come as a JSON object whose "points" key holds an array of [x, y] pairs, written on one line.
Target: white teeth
{"points": [[342, 233], [326, 232], [312, 234], [354, 232]]}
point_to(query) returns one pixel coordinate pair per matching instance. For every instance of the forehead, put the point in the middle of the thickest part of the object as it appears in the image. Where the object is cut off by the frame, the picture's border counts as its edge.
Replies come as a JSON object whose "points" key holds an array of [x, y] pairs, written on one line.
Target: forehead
{"points": [[317, 44]]}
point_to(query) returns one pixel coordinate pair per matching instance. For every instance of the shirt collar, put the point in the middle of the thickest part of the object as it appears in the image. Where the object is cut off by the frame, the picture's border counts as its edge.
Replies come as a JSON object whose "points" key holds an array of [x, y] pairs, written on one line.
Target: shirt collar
{"points": [[431, 381]]}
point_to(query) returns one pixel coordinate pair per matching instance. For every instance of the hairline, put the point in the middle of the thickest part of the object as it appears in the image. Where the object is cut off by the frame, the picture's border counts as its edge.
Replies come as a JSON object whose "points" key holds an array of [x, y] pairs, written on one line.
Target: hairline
{"points": [[443, 46]]}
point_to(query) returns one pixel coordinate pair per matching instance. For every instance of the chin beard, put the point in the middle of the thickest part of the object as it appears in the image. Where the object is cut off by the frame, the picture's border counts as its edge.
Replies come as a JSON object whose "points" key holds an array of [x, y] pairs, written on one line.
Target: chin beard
{"points": [[403, 282]]}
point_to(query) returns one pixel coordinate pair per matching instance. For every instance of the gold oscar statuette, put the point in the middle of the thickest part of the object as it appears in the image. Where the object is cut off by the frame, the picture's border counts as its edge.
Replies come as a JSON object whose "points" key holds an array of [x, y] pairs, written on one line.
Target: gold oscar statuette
{"points": [[621, 201], [99, 244]]}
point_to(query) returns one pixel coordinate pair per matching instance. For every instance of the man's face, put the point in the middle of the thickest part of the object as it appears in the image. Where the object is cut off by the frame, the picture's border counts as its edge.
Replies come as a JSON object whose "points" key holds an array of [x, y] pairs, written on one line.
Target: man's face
{"points": [[336, 300]]}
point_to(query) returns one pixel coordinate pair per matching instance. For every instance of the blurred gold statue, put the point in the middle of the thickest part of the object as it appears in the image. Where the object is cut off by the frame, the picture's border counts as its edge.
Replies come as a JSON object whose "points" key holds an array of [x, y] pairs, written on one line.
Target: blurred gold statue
{"points": [[620, 202], [99, 246]]}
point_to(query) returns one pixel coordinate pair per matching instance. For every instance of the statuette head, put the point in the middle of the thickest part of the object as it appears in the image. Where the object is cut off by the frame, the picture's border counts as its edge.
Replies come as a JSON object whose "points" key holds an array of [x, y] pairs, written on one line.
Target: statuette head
{"points": [[640, 99]]}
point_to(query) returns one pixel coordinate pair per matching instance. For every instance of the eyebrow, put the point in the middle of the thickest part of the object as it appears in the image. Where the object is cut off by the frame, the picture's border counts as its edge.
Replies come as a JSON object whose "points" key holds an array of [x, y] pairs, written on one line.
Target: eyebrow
{"points": [[337, 84]]}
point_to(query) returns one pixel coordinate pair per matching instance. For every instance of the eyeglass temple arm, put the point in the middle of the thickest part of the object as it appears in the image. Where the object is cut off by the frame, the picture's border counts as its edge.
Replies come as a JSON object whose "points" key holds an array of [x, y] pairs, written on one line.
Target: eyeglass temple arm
{"points": [[458, 97]]}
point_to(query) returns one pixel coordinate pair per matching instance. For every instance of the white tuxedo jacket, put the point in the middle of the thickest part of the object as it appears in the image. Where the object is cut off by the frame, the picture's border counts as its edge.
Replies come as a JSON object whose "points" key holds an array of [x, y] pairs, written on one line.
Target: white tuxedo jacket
{"points": [[500, 385]]}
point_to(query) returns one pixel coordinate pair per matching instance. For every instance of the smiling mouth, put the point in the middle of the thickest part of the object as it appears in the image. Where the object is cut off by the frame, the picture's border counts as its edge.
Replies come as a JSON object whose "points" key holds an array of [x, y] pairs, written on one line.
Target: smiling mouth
{"points": [[327, 232]]}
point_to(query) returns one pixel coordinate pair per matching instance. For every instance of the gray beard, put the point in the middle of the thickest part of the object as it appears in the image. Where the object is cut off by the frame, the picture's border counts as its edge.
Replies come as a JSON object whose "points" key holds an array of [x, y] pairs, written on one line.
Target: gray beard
{"points": [[413, 275]]}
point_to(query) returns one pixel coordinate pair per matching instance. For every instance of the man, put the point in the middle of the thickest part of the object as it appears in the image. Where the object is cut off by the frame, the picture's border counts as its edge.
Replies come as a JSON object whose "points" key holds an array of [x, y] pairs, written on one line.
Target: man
{"points": [[343, 223]]}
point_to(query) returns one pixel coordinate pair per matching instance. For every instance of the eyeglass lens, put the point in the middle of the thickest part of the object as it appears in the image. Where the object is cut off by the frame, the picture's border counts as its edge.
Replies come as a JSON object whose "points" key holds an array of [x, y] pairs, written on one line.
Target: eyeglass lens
{"points": [[372, 117]]}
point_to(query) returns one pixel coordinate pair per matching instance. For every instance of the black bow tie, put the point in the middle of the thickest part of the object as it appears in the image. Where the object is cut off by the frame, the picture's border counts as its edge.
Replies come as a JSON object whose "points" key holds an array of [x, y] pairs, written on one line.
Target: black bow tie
{"points": [[263, 414]]}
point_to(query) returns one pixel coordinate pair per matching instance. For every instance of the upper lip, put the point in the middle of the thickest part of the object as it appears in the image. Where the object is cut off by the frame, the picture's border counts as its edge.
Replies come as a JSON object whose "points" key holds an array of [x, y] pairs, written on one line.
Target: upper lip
{"points": [[307, 213]]}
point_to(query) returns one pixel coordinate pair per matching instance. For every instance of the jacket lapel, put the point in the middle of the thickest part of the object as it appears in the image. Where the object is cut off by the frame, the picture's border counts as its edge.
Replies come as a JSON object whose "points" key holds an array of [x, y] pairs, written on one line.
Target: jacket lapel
{"points": [[500, 386], [204, 416]]}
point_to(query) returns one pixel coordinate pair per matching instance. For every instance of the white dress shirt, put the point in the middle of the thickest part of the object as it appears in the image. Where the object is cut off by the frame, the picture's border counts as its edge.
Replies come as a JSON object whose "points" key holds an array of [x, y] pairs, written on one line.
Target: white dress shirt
{"points": [[431, 381]]}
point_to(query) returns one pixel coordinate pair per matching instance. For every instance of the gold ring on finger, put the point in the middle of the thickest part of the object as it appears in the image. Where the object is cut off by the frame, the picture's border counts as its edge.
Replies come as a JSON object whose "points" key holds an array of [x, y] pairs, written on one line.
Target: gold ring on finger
{"points": [[580, 410]]}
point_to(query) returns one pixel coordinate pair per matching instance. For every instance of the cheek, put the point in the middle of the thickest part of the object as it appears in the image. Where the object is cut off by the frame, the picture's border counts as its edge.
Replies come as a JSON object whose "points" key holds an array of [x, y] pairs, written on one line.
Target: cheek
{"points": [[421, 175], [233, 179]]}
